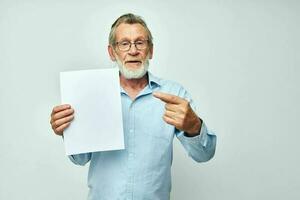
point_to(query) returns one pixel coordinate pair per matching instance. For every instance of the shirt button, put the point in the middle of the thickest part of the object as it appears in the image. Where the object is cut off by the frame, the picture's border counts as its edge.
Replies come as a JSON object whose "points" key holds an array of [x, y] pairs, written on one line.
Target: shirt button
{"points": [[131, 130]]}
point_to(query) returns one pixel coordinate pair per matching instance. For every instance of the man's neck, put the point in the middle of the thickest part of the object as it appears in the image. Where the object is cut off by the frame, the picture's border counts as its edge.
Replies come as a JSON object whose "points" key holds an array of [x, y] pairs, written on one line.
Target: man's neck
{"points": [[133, 86]]}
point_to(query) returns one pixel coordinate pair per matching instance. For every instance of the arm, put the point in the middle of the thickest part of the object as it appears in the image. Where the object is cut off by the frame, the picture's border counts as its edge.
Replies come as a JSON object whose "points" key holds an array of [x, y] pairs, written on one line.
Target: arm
{"points": [[61, 118], [80, 159], [189, 128], [200, 147]]}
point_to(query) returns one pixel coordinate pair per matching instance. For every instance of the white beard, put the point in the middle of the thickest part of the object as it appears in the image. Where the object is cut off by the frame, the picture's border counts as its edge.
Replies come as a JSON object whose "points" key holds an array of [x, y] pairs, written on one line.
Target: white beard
{"points": [[133, 73]]}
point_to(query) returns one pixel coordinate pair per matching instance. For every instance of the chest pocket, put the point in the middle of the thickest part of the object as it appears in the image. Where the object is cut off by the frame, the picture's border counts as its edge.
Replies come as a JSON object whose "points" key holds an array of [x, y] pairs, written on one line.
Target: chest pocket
{"points": [[148, 120]]}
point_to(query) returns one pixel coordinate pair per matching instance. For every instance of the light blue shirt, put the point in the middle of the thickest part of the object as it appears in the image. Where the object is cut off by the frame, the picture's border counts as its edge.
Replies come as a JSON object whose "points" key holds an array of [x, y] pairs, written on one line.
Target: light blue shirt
{"points": [[142, 171]]}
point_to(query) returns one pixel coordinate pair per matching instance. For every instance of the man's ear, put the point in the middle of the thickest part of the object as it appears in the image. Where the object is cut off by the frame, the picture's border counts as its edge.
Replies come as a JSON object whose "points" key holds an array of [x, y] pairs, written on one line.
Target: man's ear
{"points": [[151, 52], [111, 52]]}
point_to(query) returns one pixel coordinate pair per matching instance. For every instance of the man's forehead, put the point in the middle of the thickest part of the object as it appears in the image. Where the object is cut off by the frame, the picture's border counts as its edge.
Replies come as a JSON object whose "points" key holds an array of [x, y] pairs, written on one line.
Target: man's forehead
{"points": [[130, 31]]}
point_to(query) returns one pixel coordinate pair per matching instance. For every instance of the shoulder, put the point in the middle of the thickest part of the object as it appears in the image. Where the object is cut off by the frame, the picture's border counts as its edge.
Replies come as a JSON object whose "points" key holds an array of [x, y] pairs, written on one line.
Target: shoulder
{"points": [[168, 86]]}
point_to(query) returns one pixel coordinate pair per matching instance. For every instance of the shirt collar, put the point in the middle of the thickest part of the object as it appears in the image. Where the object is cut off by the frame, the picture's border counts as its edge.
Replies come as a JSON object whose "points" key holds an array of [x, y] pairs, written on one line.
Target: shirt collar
{"points": [[153, 81]]}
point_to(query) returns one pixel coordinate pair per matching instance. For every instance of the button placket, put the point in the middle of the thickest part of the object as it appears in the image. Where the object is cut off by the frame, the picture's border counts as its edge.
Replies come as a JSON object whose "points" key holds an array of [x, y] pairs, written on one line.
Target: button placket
{"points": [[131, 151]]}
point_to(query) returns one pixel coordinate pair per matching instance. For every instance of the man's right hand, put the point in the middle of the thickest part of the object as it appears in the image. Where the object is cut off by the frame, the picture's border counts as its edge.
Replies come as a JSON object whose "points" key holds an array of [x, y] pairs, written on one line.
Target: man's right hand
{"points": [[61, 118]]}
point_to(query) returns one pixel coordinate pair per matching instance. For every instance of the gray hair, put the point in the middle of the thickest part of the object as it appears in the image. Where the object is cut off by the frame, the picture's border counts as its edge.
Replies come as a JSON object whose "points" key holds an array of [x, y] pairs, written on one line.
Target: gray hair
{"points": [[128, 18]]}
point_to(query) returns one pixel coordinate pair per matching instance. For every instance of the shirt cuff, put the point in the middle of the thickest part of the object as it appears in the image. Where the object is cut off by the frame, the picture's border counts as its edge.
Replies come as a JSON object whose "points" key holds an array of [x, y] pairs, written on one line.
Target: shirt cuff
{"points": [[201, 138]]}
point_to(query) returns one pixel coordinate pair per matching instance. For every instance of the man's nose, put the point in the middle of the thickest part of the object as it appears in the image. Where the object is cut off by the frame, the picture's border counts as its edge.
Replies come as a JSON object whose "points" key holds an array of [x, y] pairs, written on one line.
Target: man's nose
{"points": [[133, 50]]}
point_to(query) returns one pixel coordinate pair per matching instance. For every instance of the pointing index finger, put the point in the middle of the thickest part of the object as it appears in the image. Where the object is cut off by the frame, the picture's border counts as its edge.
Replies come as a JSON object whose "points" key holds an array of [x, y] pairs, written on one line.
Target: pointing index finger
{"points": [[167, 98]]}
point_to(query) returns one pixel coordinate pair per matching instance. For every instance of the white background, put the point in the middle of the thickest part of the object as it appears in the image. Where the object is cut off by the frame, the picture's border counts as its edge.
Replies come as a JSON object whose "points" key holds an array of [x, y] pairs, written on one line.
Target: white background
{"points": [[239, 60]]}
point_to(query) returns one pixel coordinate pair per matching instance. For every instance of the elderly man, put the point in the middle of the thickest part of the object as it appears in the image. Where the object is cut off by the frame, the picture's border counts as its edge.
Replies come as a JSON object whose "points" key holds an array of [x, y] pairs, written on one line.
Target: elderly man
{"points": [[154, 111]]}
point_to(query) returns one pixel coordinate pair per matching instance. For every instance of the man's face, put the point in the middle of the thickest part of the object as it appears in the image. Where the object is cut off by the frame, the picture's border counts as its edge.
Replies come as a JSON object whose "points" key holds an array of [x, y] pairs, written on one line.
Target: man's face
{"points": [[134, 62]]}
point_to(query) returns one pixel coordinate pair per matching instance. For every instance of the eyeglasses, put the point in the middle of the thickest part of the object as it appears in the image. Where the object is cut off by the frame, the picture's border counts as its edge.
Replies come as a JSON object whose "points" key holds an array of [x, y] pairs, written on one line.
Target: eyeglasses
{"points": [[126, 45]]}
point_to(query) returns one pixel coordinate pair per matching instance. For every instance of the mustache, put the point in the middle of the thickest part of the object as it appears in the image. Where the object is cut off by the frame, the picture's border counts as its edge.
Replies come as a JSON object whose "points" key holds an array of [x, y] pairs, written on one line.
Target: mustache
{"points": [[133, 59]]}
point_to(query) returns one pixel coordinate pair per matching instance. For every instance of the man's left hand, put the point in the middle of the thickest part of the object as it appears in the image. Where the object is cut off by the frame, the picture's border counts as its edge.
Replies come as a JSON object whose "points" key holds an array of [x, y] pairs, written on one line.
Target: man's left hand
{"points": [[179, 113]]}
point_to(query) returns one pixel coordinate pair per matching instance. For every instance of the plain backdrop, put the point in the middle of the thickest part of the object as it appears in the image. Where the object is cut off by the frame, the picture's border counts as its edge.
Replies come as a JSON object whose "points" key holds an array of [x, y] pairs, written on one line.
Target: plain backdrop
{"points": [[239, 60]]}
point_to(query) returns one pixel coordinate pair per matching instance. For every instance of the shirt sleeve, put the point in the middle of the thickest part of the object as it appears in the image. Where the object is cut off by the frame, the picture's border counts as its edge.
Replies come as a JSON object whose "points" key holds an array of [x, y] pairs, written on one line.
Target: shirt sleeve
{"points": [[200, 147], [80, 159]]}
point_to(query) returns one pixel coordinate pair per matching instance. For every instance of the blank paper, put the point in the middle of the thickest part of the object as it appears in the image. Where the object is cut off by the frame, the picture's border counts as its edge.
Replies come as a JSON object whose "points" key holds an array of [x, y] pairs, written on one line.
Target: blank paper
{"points": [[95, 97]]}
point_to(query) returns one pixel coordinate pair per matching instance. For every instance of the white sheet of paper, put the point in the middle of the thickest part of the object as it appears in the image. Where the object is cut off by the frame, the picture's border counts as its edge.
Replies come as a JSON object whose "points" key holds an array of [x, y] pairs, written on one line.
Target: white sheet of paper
{"points": [[95, 97]]}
